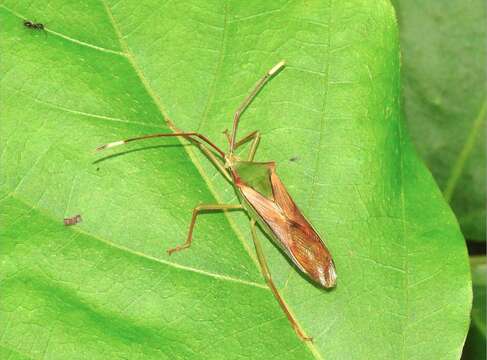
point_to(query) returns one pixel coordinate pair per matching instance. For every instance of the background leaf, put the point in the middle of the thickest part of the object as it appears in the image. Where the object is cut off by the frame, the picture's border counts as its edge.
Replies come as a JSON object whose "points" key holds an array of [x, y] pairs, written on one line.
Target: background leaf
{"points": [[475, 346], [445, 92], [106, 288]]}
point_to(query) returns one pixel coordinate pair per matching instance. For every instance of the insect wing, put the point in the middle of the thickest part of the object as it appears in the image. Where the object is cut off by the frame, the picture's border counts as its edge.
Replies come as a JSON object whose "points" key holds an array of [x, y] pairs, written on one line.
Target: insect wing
{"points": [[291, 231]]}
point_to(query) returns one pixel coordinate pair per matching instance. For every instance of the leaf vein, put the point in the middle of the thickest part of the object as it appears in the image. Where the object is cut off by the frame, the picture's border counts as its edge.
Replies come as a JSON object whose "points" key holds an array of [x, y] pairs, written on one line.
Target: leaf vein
{"points": [[218, 67], [76, 41], [125, 249], [326, 77]]}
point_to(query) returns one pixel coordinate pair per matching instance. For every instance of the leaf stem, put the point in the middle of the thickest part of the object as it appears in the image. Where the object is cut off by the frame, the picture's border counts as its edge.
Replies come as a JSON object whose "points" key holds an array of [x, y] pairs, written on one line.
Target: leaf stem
{"points": [[466, 150]]}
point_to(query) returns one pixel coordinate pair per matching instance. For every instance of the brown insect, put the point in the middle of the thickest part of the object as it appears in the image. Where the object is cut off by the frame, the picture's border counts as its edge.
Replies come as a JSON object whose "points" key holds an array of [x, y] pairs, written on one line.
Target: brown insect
{"points": [[72, 220], [267, 202]]}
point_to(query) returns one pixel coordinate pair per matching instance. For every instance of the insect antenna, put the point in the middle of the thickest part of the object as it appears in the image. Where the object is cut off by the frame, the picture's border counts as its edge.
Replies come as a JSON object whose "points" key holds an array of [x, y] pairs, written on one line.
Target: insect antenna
{"points": [[259, 85], [183, 134]]}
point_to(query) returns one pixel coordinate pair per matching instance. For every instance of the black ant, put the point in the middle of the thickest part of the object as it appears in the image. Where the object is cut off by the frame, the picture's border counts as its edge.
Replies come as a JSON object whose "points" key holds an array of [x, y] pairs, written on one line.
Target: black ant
{"points": [[33, 25]]}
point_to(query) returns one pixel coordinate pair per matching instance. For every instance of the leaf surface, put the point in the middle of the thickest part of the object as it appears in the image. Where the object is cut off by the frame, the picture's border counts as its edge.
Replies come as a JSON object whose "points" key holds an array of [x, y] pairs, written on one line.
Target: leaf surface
{"points": [[106, 288], [445, 98]]}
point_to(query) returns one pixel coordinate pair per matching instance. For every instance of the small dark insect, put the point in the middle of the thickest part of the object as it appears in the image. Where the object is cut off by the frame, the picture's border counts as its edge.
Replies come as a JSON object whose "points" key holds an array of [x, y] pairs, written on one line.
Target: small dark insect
{"points": [[72, 220], [294, 159], [33, 25]]}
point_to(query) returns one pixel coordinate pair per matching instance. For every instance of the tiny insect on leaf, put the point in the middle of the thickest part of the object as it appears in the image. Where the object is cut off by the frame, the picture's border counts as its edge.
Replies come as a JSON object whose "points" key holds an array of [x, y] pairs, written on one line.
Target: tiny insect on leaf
{"points": [[266, 200], [72, 220], [33, 25]]}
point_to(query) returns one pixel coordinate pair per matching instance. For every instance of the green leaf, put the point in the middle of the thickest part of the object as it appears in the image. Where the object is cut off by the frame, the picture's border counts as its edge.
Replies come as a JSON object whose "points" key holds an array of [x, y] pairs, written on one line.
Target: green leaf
{"points": [[479, 275], [445, 91], [106, 288], [475, 345]]}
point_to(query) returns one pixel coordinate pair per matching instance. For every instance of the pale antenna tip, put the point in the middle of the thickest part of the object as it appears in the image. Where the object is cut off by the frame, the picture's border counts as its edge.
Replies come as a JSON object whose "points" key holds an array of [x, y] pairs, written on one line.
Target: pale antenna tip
{"points": [[110, 145], [277, 67]]}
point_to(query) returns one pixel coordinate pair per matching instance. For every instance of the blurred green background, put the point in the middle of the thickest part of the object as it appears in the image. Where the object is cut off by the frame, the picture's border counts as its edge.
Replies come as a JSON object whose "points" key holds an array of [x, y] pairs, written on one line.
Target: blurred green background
{"points": [[444, 67]]}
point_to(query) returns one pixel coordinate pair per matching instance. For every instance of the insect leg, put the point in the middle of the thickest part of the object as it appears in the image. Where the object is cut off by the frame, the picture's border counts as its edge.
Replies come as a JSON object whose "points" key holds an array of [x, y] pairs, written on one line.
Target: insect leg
{"points": [[267, 275], [254, 136], [196, 211], [253, 145], [227, 136], [259, 85], [246, 138], [219, 165]]}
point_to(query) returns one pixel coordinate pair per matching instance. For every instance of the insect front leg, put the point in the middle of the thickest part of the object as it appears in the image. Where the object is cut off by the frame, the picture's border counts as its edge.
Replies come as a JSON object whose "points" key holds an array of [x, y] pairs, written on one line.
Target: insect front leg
{"points": [[196, 211], [254, 136], [259, 85], [268, 278]]}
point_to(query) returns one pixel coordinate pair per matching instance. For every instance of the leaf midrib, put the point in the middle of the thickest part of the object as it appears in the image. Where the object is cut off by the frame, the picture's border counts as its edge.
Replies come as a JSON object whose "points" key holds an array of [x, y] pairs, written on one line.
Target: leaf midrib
{"points": [[212, 91], [157, 101]]}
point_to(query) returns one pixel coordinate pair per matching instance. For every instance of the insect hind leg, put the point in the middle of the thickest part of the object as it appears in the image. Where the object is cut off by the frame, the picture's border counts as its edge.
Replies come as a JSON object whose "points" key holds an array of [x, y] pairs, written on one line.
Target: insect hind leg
{"points": [[268, 278]]}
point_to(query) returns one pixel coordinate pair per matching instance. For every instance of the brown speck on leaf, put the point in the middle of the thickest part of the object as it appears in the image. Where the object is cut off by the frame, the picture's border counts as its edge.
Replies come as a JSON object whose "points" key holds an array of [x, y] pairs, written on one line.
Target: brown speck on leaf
{"points": [[72, 220]]}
